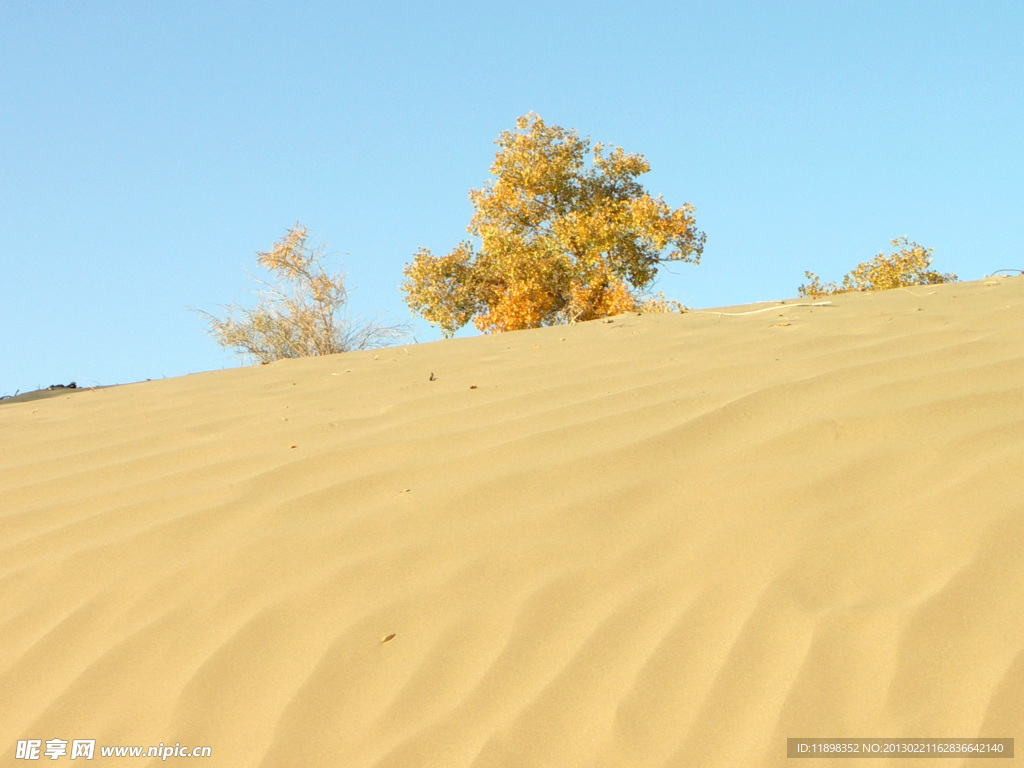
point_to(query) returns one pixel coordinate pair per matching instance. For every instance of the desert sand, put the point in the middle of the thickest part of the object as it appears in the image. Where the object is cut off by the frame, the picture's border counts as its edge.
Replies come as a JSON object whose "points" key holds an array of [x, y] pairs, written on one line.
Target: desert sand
{"points": [[659, 540]]}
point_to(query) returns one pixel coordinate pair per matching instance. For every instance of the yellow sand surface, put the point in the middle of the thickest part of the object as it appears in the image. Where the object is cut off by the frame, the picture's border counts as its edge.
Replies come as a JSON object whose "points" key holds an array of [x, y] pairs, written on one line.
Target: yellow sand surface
{"points": [[659, 540]]}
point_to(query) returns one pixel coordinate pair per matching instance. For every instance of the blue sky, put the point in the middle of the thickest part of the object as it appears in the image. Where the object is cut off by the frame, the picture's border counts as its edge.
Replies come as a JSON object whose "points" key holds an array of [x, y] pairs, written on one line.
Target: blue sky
{"points": [[149, 150]]}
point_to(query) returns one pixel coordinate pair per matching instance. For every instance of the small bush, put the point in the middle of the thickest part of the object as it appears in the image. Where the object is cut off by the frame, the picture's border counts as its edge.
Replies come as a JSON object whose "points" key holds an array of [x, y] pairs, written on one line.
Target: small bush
{"points": [[660, 305], [302, 314], [909, 265]]}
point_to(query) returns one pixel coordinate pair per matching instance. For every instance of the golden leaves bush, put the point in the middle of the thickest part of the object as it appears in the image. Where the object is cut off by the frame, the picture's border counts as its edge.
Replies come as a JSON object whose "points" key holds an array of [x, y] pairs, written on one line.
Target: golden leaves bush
{"points": [[909, 265], [660, 305], [560, 241], [302, 314]]}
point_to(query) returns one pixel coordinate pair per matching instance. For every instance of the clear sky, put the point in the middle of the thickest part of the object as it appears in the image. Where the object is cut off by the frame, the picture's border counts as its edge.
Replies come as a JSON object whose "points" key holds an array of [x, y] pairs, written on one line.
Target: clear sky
{"points": [[149, 150]]}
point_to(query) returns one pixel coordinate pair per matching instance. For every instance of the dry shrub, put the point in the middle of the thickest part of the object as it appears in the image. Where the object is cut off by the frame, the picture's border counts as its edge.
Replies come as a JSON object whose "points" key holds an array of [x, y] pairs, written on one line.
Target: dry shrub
{"points": [[660, 305], [302, 314]]}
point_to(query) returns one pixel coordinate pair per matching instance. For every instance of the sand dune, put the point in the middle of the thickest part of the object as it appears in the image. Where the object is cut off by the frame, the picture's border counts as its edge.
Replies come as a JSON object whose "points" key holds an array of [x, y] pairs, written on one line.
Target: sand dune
{"points": [[649, 541]]}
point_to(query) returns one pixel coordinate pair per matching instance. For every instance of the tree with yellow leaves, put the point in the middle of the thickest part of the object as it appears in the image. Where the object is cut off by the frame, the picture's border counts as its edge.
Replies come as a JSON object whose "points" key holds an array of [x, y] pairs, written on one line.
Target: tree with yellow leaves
{"points": [[304, 321], [560, 241], [909, 265]]}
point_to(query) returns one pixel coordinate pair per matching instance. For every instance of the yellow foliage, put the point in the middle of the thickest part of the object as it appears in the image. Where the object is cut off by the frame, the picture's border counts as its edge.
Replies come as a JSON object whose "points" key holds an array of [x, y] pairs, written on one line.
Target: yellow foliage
{"points": [[660, 305], [907, 266], [304, 322], [560, 241]]}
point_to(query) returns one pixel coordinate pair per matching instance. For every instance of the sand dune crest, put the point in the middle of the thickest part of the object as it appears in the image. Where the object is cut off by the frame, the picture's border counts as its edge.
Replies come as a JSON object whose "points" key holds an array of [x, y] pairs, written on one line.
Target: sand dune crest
{"points": [[653, 541]]}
